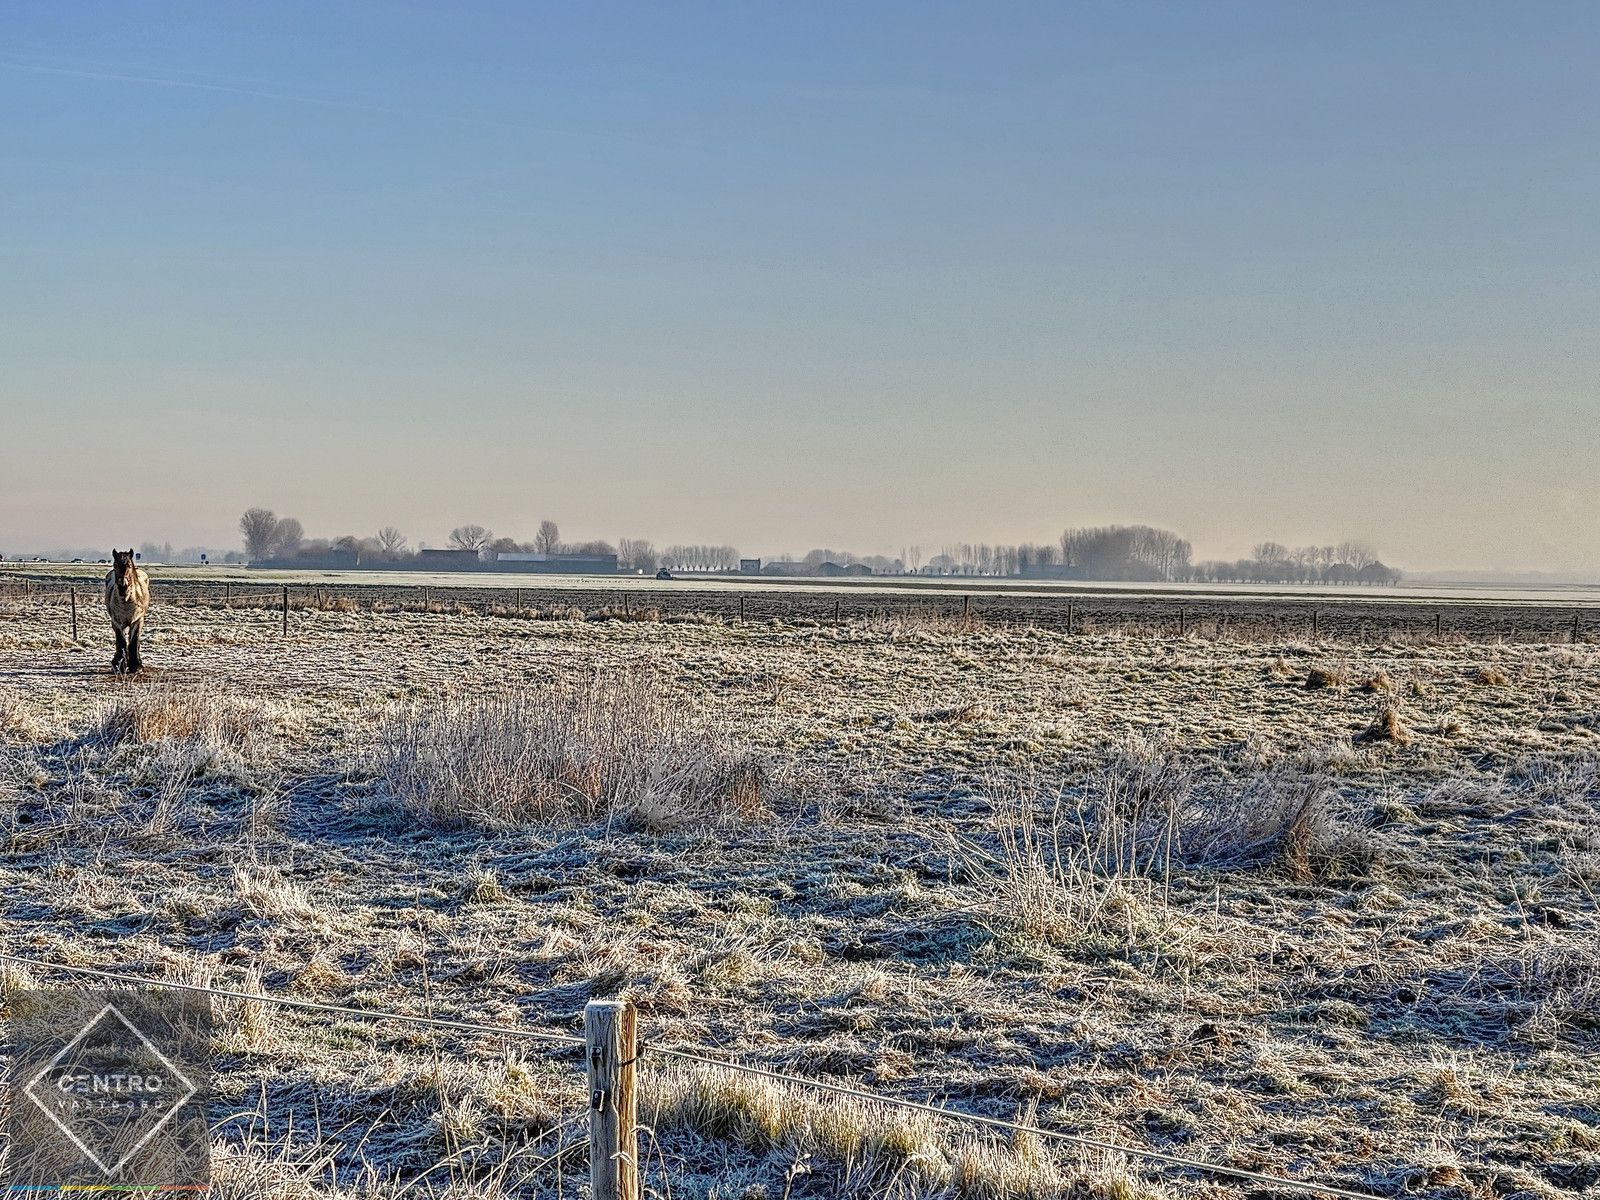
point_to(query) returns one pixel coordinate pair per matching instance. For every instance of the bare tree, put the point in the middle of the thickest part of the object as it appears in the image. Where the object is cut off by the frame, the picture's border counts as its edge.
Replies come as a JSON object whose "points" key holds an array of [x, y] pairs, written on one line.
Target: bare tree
{"points": [[469, 537], [287, 536], [504, 545], [639, 554], [391, 542], [260, 528], [548, 540]]}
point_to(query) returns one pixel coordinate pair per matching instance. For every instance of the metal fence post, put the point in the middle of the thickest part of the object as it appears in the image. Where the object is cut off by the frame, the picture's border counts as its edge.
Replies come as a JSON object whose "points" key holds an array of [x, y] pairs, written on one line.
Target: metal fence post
{"points": [[611, 1048]]}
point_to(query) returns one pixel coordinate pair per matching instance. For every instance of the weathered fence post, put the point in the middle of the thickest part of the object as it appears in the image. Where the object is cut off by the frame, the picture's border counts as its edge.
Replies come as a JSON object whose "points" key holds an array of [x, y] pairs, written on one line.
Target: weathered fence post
{"points": [[1069, 618], [1438, 624], [72, 595], [835, 610], [1183, 622], [1575, 629], [625, 611], [741, 612], [227, 594], [1314, 624], [286, 610], [965, 602], [610, 1029]]}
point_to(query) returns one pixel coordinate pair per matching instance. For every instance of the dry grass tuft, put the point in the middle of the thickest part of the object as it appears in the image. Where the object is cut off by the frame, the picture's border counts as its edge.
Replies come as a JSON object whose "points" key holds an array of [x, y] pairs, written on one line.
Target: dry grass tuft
{"points": [[614, 746], [1387, 727], [1325, 677], [19, 722], [176, 714], [1378, 683], [1490, 677], [632, 612], [873, 1149]]}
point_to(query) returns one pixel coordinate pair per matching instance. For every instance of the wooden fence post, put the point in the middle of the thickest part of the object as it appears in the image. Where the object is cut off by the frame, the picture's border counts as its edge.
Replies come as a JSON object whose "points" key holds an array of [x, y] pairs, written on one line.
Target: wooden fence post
{"points": [[1069, 618], [73, 596], [965, 601], [741, 612], [1314, 624], [835, 610], [610, 1029], [1438, 624], [286, 610], [1183, 623], [1575, 629]]}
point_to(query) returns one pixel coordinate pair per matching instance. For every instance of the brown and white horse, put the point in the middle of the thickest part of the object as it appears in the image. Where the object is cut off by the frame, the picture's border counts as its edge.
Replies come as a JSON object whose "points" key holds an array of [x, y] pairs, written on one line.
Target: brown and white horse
{"points": [[127, 599]]}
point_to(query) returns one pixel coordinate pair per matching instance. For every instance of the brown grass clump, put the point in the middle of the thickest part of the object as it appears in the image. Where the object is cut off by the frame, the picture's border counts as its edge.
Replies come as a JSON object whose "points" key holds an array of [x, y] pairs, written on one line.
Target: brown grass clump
{"points": [[1490, 677], [18, 721], [1281, 820], [1324, 677], [1387, 727], [554, 612], [879, 1150], [1378, 683], [199, 715], [630, 613], [613, 746]]}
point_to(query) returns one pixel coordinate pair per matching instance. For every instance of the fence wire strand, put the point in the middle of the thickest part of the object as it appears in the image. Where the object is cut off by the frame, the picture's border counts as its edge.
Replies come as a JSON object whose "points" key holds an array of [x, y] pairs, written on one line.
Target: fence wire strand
{"points": [[370, 1014]]}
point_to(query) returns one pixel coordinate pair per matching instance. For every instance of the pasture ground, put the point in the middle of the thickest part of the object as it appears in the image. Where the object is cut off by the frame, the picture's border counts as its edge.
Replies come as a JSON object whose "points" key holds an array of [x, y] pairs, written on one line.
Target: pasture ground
{"points": [[1323, 909]]}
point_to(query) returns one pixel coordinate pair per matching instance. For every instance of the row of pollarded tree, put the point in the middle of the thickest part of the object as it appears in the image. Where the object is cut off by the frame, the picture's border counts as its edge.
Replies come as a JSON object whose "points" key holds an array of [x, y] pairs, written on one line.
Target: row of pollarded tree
{"points": [[1113, 552], [1272, 562]]}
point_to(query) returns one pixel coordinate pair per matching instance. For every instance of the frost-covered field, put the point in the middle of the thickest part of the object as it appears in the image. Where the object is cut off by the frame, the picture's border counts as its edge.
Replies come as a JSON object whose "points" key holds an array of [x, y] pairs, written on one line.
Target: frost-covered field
{"points": [[1323, 910]]}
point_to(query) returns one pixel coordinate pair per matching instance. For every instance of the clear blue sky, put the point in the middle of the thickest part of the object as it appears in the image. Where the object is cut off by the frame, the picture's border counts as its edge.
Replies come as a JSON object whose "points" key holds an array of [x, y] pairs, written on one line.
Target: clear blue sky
{"points": [[785, 275]]}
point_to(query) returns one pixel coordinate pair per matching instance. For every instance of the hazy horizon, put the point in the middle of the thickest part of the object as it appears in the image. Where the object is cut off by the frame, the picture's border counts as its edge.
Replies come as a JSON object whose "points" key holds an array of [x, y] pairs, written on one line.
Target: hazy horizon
{"points": [[860, 277]]}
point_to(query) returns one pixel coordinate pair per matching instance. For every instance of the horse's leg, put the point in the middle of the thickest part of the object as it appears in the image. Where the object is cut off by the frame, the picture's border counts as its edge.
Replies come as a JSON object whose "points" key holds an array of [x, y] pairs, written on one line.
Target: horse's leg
{"points": [[122, 650], [135, 663]]}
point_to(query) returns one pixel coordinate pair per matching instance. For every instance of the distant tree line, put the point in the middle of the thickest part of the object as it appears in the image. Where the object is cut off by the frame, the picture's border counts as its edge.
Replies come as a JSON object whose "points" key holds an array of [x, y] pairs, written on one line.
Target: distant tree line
{"points": [[266, 535], [1112, 552], [700, 558], [1133, 553], [1272, 562]]}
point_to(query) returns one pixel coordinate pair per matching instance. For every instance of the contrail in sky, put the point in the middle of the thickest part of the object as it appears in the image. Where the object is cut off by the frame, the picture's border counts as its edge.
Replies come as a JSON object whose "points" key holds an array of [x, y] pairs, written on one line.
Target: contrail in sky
{"points": [[168, 81]]}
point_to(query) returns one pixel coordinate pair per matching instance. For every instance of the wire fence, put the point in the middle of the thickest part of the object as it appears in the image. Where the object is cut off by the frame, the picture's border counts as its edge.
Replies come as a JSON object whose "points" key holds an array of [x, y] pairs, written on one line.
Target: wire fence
{"points": [[612, 1052], [1274, 619]]}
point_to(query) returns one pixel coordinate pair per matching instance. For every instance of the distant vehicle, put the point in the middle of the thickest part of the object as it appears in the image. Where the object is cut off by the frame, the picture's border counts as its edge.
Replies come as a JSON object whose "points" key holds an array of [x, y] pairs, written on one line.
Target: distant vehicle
{"points": [[77, 560], [663, 574]]}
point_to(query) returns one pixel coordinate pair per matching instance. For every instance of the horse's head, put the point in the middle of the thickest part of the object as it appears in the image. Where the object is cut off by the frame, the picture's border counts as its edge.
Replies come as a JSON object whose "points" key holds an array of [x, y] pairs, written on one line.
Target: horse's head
{"points": [[125, 570]]}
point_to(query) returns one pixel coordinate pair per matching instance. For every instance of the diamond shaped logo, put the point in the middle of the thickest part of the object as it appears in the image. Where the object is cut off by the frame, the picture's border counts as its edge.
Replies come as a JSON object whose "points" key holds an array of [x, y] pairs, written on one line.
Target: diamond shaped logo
{"points": [[110, 1090]]}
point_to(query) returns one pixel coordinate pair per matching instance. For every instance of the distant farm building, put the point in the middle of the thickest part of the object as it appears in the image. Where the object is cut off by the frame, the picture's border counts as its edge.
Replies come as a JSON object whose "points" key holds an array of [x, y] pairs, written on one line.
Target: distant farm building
{"points": [[825, 570], [327, 560], [1052, 571], [749, 566], [447, 560], [555, 564], [452, 560]]}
